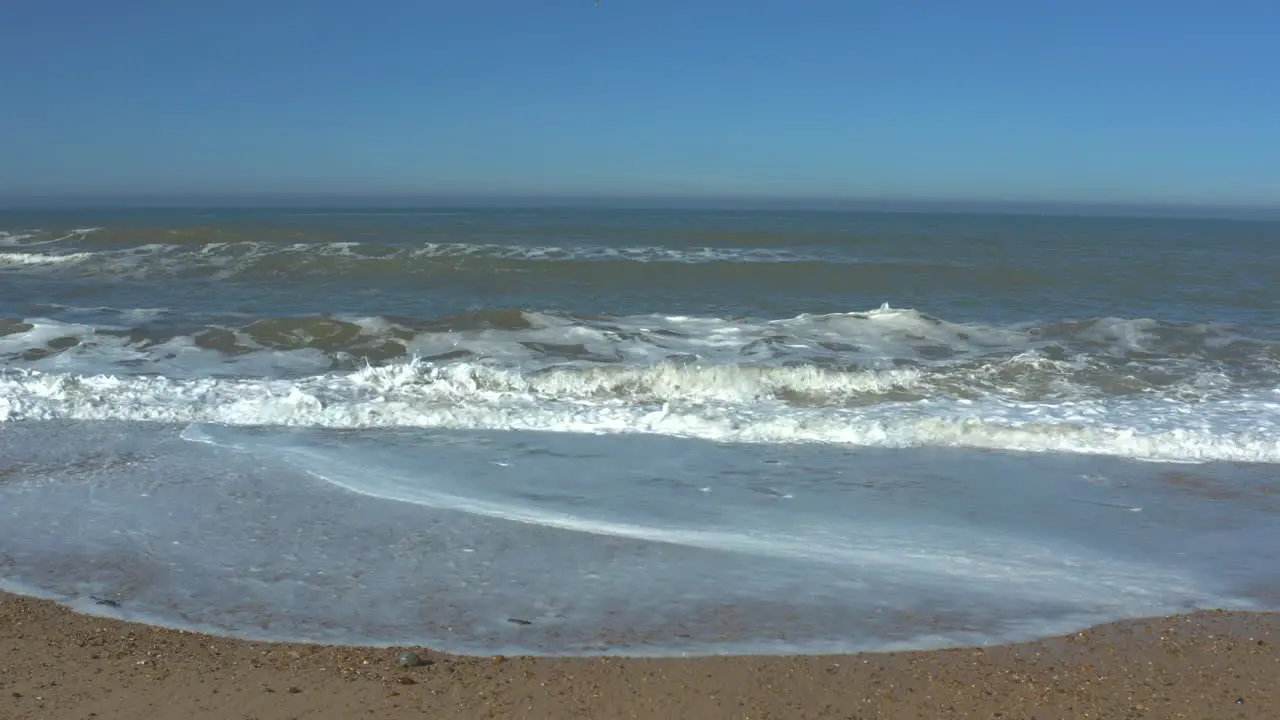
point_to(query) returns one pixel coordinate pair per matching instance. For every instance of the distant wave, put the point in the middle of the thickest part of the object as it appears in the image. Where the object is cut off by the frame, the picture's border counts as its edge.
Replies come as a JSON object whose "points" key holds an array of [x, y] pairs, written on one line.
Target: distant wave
{"points": [[30, 238], [232, 258], [36, 259], [807, 358]]}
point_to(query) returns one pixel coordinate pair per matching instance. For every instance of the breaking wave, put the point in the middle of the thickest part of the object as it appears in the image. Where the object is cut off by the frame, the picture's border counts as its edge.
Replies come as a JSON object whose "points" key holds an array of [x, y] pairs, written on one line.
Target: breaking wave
{"points": [[887, 377]]}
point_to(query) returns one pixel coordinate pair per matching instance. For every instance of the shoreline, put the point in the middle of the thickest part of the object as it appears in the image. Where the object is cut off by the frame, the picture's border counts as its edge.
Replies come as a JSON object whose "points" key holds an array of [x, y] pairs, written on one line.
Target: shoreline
{"points": [[58, 663]]}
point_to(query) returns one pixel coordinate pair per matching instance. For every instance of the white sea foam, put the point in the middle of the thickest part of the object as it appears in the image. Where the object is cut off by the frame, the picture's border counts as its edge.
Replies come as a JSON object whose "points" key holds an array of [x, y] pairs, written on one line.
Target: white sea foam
{"points": [[689, 255], [1241, 429], [34, 259], [227, 258]]}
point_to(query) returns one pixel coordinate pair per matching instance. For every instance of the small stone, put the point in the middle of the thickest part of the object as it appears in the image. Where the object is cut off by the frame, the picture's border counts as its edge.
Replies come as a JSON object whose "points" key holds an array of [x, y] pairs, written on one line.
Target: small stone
{"points": [[294, 689], [498, 659], [519, 621], [406, 680], [411, 659], [1239, 701], [17, 694]]}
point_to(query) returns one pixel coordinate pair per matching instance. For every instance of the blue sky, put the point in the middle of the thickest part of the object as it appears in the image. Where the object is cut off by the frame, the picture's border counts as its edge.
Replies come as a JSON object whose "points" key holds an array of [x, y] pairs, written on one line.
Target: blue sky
{"points": [[1088, 100]]}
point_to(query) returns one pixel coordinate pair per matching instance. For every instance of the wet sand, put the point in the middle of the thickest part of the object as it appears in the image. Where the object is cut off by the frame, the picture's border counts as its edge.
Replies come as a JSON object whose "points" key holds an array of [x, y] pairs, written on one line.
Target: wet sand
{"points": [[58, 664]]}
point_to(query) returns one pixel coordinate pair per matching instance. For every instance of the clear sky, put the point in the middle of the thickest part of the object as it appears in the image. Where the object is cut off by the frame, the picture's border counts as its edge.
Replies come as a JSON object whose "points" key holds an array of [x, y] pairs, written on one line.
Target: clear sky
{"points": [[1073, 100]]}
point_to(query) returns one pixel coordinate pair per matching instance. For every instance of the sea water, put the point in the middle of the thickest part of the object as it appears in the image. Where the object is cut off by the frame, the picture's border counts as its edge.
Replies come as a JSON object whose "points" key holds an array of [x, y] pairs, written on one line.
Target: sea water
{"points": [[641, 432]]}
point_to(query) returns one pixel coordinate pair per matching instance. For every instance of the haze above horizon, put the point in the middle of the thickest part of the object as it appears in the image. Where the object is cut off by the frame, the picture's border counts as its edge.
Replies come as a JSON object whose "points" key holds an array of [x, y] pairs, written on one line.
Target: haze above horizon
{"points": [[1090, 103]]}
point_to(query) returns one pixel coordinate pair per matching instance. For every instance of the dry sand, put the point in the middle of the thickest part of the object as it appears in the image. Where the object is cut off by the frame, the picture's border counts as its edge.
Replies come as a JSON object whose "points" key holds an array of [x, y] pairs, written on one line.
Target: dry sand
{"points": [[58, 664]]}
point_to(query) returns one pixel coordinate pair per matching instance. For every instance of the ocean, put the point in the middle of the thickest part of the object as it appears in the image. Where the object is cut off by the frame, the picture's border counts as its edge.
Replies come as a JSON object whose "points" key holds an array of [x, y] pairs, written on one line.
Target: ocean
{"points": [[559, 431]]}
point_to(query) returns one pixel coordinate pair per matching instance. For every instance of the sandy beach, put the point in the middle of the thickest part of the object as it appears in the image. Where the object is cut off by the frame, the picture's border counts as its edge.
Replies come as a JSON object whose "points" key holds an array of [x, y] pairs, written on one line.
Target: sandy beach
{"points": [[60, 664]]}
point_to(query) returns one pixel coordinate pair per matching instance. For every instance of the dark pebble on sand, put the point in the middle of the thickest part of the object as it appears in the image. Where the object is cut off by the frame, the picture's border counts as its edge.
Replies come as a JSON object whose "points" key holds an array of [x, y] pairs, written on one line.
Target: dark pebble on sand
{"points": [[519, 621]]}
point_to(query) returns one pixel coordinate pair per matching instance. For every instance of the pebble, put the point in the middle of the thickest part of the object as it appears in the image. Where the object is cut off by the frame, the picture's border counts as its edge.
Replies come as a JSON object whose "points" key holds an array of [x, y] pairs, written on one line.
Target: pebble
{"points": [[411, 659]]}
